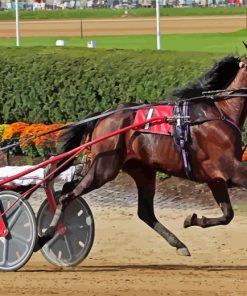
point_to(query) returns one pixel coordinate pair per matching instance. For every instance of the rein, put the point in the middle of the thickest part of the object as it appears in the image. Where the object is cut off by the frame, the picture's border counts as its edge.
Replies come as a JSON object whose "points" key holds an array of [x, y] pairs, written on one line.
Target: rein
{"points": [[214, 96], [220, 90], [211, 95], [81, 122], [33, 137]]}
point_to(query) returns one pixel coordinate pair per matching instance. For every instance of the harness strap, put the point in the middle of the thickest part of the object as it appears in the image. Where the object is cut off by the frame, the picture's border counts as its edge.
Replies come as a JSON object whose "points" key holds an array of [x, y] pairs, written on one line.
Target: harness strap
{"points": [[213, 92], [81, 122], [222, 116], [196, 122], [182, 132]]}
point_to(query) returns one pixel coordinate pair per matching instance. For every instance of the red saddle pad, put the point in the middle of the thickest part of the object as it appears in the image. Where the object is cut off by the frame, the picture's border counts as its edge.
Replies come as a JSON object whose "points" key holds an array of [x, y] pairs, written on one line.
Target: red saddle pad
{"points": [[155, 111]]}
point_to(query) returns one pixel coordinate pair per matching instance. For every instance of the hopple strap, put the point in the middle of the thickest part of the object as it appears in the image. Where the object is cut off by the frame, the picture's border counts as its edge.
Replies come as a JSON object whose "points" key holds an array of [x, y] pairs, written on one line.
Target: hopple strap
{"points": [[181, 134]]}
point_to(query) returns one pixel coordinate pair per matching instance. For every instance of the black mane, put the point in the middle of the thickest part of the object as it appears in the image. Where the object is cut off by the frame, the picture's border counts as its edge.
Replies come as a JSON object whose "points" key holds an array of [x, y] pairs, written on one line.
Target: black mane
{"points": [[218, 77]]}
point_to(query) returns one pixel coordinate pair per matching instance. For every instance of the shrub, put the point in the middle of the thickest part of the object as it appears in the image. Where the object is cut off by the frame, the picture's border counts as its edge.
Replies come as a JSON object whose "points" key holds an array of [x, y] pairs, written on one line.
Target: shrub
{"points": [[64, 85]]}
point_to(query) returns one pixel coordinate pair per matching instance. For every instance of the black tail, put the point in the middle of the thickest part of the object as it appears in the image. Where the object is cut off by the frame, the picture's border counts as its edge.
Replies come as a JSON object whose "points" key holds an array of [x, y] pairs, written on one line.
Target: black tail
{"points": [[73, 136]]}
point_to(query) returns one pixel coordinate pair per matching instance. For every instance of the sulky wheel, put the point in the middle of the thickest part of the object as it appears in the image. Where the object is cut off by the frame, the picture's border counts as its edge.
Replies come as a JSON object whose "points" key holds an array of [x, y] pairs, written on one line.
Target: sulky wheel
{"points": [[74, 238], [17, 247]]}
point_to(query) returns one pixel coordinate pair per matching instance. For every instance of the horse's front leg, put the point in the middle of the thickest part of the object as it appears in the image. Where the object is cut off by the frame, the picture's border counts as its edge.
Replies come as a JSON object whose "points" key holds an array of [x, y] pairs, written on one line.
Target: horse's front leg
{"points": [[145, 181], [220, 193], [238, 175]]}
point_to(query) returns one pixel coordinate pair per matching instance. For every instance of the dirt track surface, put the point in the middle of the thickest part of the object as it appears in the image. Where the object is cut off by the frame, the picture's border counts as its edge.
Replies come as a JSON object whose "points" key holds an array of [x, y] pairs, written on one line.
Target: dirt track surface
{"points": [[125, 26], [128, 258]]}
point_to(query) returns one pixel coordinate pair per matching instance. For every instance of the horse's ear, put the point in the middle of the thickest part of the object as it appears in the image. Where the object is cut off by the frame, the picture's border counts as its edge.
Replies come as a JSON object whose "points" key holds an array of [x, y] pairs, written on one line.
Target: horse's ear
{"points": [[245, 45]]}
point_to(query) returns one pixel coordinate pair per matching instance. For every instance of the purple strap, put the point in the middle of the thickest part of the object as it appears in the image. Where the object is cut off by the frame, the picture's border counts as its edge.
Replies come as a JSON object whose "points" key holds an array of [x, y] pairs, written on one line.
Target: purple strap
{"points": [[182, 134], [187, 165], [235, 125], [186, 128]]}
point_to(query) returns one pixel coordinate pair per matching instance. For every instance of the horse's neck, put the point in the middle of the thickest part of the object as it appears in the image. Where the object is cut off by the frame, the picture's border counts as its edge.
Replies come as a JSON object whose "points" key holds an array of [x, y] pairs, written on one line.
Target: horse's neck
{"points": [[236, 107]]}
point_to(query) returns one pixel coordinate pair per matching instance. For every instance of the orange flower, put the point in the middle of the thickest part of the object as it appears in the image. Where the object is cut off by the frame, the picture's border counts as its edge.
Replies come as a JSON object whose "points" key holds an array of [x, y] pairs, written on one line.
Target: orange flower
{"points": [[244, 156], [30, 137], [29, 132], [49, 140], [38, 129], [14, 129]]}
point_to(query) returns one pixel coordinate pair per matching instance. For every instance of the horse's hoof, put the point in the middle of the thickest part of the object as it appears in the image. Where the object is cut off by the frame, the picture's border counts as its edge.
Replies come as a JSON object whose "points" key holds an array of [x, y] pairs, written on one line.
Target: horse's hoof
{"points": [[183, 251], [37, 245], [190, 221]]}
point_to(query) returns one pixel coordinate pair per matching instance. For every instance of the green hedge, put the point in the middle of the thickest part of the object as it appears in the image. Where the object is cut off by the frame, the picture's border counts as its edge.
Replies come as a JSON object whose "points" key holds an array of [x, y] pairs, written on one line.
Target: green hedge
{"points": [[54, 85]]}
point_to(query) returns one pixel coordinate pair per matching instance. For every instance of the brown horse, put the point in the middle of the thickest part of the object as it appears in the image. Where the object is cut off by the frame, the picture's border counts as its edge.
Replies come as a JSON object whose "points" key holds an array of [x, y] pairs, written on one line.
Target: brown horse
{"points": [[213, 148]]}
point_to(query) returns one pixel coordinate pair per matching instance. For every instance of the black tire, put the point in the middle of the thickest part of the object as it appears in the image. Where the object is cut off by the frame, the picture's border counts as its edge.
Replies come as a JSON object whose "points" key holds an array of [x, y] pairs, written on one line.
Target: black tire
{"points": [[73, 245]]}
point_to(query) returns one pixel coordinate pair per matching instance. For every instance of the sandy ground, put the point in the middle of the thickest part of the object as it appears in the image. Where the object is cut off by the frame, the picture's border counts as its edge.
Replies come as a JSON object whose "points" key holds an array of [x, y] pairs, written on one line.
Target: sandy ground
{"points": [[125, 26], [128, 258]]}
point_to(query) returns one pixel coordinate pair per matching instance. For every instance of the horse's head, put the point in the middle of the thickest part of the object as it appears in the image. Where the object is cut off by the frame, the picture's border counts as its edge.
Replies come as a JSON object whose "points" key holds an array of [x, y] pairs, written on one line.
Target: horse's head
{"points": [[234, 98], [240, 79], [243, 67]]}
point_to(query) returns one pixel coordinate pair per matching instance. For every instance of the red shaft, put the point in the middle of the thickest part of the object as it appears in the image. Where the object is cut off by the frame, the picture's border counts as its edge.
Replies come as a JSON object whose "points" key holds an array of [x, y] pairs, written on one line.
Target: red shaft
{"points": [[82, 147]]}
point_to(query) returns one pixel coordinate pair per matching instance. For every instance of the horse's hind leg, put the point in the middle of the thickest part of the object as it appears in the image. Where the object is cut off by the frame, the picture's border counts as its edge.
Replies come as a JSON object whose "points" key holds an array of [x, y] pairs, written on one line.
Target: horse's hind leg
{"points": [[220, 193], [104, 168], [145, 181]]}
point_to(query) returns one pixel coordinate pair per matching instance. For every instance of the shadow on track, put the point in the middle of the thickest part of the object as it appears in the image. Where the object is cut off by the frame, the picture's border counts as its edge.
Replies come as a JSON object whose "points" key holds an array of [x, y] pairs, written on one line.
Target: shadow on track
{"points": [[114, 268]]}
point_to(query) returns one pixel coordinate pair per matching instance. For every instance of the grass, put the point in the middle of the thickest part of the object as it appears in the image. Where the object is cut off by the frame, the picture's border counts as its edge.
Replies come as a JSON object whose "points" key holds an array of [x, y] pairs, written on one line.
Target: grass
{"points": [[111, 13], [208, 42]]}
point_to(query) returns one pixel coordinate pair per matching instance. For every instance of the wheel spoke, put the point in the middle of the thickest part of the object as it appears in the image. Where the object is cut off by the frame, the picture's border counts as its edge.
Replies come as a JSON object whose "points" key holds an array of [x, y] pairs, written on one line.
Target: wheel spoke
{"points": [[14, 218], [69, 248], [20, 238], [53, 240]]}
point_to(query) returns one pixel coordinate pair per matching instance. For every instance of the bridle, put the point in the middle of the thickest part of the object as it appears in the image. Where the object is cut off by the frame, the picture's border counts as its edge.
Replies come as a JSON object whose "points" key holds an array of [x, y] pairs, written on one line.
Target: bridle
{"points": [[218, 95], [213, 96]]}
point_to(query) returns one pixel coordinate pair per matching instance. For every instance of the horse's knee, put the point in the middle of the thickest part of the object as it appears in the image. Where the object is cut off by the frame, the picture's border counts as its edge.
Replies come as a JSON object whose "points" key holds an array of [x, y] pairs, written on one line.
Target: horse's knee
{"points": [[142, 215], [228, 213]]}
